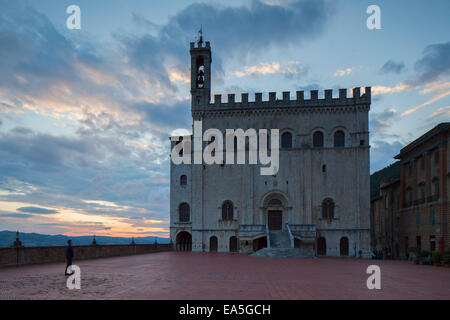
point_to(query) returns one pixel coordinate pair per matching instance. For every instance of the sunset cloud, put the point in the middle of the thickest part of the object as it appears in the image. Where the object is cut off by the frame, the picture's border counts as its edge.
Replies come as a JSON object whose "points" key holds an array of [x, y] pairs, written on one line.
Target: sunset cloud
{"points": [[85, 115], [439, 90]]}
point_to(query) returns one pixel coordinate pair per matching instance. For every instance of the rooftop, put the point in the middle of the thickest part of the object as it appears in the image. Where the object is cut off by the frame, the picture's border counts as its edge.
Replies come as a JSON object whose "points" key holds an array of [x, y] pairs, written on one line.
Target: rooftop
{"points": [[186, 275], [440, 128]]}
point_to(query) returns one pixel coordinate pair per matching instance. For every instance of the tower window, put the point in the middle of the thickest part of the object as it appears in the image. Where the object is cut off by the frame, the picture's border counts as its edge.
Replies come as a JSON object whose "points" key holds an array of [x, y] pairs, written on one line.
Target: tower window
{"points": [[286, 140], [318, 139], [183, 180], [339, 139]]}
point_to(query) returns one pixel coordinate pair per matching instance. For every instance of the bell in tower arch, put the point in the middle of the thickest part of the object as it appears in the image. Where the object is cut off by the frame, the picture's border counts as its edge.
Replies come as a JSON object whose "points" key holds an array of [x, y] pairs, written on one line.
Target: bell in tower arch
{"points": [[200, 78]]}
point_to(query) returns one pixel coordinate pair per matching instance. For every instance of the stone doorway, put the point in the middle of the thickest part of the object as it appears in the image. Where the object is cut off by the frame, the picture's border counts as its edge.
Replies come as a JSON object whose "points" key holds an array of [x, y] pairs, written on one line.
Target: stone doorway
{"points": [[213, 244], [233, 244], [321, 246], [344, 246], [275, 219]]}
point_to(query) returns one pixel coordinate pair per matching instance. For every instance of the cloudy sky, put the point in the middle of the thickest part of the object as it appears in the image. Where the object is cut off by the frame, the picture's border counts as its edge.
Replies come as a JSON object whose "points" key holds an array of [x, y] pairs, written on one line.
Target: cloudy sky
{"points": [[85, 115]]}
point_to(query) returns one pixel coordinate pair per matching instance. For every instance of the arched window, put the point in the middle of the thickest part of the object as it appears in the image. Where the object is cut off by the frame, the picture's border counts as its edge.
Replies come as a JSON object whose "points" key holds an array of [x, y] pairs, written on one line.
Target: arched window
{"points": [[327, 209], [339, 139], [183, 180], [318, 139], [227, 210], [185, 212], [286, 140]]}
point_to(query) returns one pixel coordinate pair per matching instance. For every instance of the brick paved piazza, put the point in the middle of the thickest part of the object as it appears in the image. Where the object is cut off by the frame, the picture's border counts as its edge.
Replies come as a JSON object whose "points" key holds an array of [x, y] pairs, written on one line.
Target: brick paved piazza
{"points": [[180, 275]]}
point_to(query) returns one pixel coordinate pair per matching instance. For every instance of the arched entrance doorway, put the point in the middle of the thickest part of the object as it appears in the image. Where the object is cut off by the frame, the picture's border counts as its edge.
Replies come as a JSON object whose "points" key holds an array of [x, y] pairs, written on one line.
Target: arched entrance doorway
{"points": [[321, 246], [275, 219], [184, 241], [213, 244], [233, 244], [344, 246], [275, 209]]}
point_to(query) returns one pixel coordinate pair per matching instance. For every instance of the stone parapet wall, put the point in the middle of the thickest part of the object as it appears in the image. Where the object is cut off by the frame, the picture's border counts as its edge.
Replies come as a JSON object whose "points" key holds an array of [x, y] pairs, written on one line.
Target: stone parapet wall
{"points": [[33, 255]]}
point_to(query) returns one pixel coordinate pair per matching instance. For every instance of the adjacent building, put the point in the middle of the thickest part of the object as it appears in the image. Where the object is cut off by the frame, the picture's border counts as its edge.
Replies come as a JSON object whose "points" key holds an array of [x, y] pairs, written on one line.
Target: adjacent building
{"points": [[385, 218], [412, 211], [424, 192]]}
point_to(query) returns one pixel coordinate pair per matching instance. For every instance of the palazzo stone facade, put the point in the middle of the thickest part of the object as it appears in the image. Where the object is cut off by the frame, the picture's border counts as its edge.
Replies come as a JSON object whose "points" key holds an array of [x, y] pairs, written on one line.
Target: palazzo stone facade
{"points": [[320, 195]]}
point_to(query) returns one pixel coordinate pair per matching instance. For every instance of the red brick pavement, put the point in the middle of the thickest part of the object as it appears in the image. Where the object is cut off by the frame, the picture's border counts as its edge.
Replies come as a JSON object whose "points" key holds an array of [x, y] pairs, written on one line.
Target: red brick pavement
{"points": [[179, 275]]}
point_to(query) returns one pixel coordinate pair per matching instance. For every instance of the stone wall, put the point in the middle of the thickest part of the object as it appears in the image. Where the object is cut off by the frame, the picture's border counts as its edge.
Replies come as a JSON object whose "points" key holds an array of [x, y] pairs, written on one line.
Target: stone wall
{"points": [[32, 255]]}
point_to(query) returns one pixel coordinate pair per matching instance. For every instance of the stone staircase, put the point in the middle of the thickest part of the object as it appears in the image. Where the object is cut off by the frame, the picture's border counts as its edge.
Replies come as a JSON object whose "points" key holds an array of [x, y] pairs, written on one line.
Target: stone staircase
{"points": [[280, 247], [279, 239]]}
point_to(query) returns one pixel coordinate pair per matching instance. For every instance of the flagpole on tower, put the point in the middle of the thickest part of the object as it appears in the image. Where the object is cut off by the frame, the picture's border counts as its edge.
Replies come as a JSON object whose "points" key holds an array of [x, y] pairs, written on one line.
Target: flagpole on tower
{"points": [[200, 32]]}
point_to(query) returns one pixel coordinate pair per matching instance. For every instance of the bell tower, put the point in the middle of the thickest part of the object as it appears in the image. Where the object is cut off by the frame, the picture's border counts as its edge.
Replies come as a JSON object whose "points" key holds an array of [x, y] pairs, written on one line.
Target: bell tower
{"points": [[200, 73]]}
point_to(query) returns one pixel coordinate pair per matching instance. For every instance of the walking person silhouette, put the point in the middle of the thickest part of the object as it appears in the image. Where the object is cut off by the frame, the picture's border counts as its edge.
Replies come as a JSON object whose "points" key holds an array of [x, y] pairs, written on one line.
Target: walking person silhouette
{"points": [[69, 256]]}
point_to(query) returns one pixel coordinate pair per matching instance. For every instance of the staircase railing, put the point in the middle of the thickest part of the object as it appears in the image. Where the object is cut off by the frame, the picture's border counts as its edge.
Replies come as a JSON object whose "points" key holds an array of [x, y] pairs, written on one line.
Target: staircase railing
{"points": [[268, 236], [291, 237]]}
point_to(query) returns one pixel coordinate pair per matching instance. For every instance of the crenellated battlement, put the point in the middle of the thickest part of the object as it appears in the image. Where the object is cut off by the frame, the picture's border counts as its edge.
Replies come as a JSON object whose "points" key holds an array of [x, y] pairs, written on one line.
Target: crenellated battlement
{"points": [[196, 45], [298, 101]]}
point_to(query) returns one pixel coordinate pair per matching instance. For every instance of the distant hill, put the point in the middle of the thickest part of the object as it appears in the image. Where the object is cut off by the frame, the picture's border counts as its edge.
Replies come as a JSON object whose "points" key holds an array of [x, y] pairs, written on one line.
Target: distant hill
{"points": [[390, 172], [7, 238]]}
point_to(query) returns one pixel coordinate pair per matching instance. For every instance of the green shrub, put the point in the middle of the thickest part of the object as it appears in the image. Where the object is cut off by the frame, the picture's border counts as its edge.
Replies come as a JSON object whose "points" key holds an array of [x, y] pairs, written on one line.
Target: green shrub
{"points": [[424, 253], [413, 249], [436, 257], [447, 258]]}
